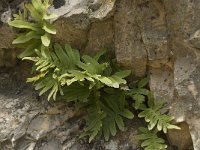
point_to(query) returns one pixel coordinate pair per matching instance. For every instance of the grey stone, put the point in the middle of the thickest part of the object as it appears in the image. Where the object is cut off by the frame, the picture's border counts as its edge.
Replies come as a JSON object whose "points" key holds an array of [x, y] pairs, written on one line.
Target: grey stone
{"points": [[6, 16], [80, 12]]}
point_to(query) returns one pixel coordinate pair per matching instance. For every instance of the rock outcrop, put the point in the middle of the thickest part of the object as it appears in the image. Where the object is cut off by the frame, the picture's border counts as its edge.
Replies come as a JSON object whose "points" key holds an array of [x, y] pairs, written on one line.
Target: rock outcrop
{"points": [[157, 38]]}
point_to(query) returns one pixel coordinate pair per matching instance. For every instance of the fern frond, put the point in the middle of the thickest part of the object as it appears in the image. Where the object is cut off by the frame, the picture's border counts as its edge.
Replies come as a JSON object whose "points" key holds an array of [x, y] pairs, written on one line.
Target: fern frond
{"points": [[138, 95], [150, 140], [156, 119], [94, 122], [92, 81], [76, 92], [39, 29], [115, 110], [45, 82]]}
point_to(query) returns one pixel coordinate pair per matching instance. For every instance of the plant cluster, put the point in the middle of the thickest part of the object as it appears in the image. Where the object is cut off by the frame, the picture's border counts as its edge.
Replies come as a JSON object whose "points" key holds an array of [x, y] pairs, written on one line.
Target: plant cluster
{"points": [[37, 29], [87, 81]]}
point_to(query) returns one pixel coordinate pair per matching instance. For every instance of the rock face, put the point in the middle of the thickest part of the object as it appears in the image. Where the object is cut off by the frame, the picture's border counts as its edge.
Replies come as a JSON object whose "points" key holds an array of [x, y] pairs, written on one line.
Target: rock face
{"points": [[157, 38], [28, 122]]}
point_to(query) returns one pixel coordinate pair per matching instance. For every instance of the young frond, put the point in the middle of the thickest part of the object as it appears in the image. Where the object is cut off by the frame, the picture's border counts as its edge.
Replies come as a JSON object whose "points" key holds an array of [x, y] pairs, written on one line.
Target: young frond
{"points": [[139, 94], [39, 29], [60, 59]]}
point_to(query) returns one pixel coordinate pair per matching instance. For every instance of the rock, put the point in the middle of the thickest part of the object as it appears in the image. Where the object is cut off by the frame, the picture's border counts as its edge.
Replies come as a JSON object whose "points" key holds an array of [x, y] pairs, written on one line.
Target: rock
{"points": [[77, 38], [27, 122], [155, 38], [81, 12], [176, 137], [162, 83], [182, 24], [154, 32], [129, 47], [194, 39], [101, 35], [80, 22], [6, 37]]}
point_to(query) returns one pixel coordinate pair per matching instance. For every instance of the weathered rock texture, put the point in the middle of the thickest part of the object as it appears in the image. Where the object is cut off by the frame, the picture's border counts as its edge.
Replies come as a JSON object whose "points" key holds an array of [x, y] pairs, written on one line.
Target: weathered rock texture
{"points": [[29, 122], [158, 38]]}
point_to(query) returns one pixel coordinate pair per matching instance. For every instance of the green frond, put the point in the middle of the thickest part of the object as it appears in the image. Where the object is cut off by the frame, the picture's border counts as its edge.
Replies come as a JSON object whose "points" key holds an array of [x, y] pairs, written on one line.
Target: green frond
{"points": [[92, 66], [94, 123], [23, 38], [39, 6], [45, 84], [99, 54], [76, 92], [115, 111], [49, 28], [46, 39], [39, 29], [34, 13], [115, 108], [24, 25], [142, 83], [156, 119], [138, 95], [150, 140], [30, 49]]}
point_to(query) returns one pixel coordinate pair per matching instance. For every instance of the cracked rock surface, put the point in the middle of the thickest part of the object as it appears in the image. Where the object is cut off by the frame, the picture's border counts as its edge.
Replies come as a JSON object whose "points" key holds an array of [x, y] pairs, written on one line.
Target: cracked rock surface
{"points": [[28, 122], [158, 38]]}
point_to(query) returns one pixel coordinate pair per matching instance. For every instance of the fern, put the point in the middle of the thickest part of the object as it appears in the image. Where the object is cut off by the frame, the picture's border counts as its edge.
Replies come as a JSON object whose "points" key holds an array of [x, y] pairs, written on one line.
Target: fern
{"points": [[151, 113], [108, 112], [86, 80], [153, 116], [116, 110], [37, 32], [76, 92], [64, 67], [94, 123], [139, 93], [150, 140]]}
